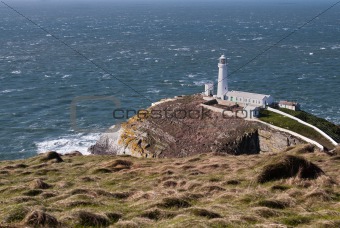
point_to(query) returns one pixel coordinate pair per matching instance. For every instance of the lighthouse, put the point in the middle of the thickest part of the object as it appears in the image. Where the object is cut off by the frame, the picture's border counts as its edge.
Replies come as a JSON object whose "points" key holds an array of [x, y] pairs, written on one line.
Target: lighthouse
{"points": [[222, 87]]}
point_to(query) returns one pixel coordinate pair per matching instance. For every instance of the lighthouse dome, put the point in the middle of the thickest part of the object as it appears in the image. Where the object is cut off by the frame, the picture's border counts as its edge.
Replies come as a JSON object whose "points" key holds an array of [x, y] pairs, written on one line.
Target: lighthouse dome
{"points": [[223, 59]]}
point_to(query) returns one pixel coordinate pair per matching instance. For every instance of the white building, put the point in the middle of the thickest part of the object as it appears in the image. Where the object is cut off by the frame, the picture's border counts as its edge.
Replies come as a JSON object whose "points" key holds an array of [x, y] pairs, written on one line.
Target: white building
{"points": [[209, 89], [222, 87], [289, 105], [248, 99], [253, 99]]}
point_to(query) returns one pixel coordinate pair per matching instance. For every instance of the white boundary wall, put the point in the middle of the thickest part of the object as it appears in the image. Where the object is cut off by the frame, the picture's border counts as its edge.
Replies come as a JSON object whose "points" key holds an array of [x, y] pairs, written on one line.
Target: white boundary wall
{"points": [[304, 123]]}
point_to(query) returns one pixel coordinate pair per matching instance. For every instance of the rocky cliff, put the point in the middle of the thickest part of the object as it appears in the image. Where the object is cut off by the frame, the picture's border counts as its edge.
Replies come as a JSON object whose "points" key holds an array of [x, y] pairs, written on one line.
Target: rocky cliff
{"points": [[181, 127]]}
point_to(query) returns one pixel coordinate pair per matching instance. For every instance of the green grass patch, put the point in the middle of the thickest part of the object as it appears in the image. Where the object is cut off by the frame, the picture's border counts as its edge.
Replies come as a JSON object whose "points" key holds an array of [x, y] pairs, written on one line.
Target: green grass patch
{"points": [[292, 125], [329, 128]]}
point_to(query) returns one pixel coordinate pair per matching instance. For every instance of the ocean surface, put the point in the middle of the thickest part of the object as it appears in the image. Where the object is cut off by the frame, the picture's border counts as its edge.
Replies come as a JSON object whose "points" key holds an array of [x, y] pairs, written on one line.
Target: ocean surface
{"points": [[60, 83]]}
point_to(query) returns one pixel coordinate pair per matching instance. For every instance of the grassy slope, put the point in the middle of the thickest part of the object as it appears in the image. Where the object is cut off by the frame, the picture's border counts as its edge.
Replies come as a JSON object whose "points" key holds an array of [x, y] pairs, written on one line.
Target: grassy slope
{"points": [[200, 191], [331, 129], [290, 124]]}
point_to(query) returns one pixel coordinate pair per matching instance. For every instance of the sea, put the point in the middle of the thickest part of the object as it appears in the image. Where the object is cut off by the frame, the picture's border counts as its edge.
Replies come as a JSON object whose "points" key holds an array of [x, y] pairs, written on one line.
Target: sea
{"points": [[66, 66]]}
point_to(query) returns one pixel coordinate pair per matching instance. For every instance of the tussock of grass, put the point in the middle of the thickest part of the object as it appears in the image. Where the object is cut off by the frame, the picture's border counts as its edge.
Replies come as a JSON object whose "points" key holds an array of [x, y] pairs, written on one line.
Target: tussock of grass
{"points": [[79, 191], [64, 184], [17, 166], [157, 214], [168, 172], [121, 195], [101, 170], [195, 173], [23, 199], [266, 212], [212, 189], [233, 182], [47, 195], [193, 160], [173, 202], [319, 195], [113, 217], [279, 187], [40, 219], [88, 179], [205, 213], [16, 214], [170, 184], [33, 192], [39, 184], [85, 218], [118, 165], [277, 204], [289, 166]]}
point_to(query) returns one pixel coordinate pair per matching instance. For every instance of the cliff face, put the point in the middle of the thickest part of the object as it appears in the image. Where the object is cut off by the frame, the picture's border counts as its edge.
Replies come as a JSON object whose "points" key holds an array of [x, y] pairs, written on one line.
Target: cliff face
{"points": [[181, 128]]}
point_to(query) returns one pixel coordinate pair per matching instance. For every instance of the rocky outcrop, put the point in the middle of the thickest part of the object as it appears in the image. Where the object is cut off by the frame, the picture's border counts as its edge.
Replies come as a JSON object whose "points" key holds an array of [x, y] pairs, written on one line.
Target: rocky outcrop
{"points": [[275, 141], [182, 127], [248, 143]]}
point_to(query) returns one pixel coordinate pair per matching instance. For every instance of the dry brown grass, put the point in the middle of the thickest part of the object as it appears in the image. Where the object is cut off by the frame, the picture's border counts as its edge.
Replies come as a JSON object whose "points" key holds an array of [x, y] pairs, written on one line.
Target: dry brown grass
{"points": [[208, 190]]}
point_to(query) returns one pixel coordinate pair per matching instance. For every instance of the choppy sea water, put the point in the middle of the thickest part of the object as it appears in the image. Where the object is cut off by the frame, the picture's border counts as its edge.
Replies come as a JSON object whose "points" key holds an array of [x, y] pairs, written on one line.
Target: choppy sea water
{"points": [[151, 50]]}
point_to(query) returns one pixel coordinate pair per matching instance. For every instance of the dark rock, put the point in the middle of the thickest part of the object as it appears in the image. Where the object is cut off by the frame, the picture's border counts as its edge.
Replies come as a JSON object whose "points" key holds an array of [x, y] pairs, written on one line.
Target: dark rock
{"points": [[51, 155]]}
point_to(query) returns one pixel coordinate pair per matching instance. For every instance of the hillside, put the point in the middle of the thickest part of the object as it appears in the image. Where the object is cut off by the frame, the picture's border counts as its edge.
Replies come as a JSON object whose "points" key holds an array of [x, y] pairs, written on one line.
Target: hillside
{"points": [[205, 190]]}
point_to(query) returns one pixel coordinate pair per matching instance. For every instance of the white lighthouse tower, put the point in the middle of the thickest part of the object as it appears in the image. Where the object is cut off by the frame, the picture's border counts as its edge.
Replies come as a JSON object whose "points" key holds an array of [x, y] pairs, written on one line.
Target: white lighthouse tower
{"points": [[222, 87]]}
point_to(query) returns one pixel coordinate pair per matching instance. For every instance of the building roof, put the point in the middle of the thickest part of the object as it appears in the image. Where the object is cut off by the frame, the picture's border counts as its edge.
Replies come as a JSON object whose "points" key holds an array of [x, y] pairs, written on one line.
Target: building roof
{"points": [[256, 96], [291, 103]]}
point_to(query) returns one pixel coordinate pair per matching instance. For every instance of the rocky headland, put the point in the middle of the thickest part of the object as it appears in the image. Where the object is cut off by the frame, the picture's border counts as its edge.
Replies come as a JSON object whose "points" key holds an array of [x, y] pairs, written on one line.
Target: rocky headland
{"points": [[181, 127]]}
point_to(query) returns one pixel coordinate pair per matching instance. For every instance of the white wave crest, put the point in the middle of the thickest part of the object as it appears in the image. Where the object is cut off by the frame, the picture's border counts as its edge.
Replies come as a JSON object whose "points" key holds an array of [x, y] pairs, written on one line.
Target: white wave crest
{"points": [[69, 143], [16, 72]]}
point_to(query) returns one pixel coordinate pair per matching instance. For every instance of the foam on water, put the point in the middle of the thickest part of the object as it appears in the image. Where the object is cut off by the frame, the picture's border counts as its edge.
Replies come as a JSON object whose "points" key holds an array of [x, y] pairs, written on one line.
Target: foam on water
{"points": [[16, 72], [335, 47], [153, 90], [68, 143], [11, 90]]}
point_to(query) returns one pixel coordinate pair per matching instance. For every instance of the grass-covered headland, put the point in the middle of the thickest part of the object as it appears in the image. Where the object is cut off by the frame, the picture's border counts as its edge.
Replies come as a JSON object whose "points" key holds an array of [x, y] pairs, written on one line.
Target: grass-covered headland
{"points": [[295, 187]]}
